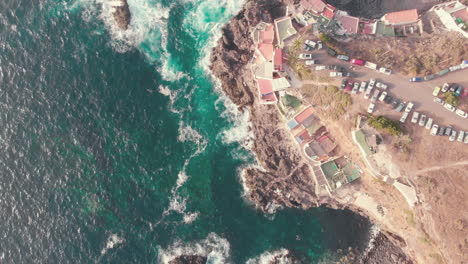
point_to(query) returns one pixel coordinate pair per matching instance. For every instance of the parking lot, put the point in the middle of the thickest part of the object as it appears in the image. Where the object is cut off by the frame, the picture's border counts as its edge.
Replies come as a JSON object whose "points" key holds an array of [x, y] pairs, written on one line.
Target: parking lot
{"points": [[420, 93]]}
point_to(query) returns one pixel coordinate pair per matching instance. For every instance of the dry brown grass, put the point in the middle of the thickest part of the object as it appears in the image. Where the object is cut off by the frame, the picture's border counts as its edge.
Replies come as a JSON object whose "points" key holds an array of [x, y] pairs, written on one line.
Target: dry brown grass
{"points": [[329, 101]]}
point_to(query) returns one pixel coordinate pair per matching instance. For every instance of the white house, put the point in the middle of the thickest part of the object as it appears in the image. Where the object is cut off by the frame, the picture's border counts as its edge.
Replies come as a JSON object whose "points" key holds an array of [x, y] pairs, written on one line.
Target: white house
{"points": [[454, 16]]}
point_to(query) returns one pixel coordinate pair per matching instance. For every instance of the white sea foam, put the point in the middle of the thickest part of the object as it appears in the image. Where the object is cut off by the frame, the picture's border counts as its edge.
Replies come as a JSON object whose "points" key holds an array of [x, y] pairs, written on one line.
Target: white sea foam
{"points": [[279, 256], [373, 233], [214, 247], [112, 241], [164, 90]]}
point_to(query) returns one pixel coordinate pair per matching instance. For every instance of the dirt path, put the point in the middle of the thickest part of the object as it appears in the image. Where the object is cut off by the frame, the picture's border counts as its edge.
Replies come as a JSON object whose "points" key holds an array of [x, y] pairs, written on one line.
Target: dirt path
{"points": [[436, 168]]}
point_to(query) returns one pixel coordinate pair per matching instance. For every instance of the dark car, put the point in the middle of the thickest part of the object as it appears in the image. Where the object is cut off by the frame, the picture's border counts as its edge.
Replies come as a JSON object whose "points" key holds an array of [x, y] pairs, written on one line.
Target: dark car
{"points": [[347, 74], [453, 88], [395, 103], [349, 86], [388, 99], [308, 48], [332, 52], [401, 106], [441, 131], [459, 91], [448, 130], [429, 77], [343, 84]]}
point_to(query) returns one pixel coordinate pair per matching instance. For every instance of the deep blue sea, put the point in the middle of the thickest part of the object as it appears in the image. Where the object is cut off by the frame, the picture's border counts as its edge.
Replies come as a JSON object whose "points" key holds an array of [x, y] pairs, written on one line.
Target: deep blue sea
{"points": [[119, 147]]}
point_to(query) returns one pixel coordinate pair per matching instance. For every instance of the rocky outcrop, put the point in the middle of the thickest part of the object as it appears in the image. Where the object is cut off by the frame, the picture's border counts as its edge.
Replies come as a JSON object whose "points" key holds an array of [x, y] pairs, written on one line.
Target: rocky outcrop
{"points": [[121, 13], [284, 179], [186, 259]]}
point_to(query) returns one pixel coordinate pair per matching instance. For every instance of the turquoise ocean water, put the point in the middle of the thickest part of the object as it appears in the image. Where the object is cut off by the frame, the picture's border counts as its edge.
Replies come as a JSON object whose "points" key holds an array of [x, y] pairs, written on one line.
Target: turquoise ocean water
{"points": [[120, 148]]}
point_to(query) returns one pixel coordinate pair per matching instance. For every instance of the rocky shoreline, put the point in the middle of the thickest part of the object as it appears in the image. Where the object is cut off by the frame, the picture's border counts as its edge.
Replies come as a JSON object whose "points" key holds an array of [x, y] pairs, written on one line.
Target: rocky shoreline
{"points": [[284, 178], [121, 13]]}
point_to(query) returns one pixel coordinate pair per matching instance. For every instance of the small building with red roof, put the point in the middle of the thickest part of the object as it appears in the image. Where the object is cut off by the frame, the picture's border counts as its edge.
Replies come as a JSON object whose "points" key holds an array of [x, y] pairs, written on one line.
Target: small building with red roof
{"points": [[401, 18], [306, 113], [316, 7], [278, 60], [265, 90], [349, 24]]}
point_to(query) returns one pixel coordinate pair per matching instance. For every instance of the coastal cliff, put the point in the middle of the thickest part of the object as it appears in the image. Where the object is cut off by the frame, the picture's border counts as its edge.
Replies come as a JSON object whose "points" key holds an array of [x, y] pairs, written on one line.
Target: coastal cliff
{"points": [[284, 178]]}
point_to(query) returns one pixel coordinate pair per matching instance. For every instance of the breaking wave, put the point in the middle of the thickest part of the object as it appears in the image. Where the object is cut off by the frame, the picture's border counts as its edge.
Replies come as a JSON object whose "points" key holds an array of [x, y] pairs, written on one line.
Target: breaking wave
{"points": [[215, 248], [112, 242], [278, 257]]}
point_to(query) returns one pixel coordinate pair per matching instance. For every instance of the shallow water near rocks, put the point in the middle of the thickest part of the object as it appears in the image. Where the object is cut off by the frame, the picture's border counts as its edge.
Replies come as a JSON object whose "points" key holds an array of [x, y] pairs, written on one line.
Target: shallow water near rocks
{"points": [[120, 148]]}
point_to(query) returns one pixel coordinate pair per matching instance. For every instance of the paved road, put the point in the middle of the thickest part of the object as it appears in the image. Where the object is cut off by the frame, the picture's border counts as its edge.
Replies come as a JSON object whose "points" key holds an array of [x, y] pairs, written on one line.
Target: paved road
{"points": [[419, 93]]}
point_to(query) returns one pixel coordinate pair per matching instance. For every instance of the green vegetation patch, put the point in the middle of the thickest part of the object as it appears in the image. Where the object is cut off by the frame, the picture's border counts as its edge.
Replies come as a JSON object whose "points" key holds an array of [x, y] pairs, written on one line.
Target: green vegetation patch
{"points": [[332, 102], [452, 99], [386, 124]]}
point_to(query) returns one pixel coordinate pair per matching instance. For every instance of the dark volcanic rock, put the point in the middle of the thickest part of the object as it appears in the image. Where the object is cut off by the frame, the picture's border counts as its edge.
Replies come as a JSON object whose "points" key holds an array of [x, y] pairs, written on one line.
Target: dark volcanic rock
{"points": [[185, 259], [122, 15], [384, 251]]}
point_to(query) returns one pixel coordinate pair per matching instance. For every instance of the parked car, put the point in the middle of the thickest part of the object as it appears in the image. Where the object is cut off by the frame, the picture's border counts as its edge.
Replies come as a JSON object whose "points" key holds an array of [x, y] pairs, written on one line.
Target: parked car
{"points": [[422, 120], [461, 136], [308, 48], [347, 74], [370, 65], [466, 138], [355, 88], [310, 62], [371, 108], [438, 100], [436, 91], [385, 71], [357, 62], [415, 79], [375, 96], [336, 74], [459, 91], [349, 86], [404, 117], [445, 87], [311, 43], [382, 86], [343, 57], [382, 96], [429, 123], [368, 93], [452, 88], [395, 103], [319, 44], [429, 77], [448, 130], [401, 107], [415, 117], [455, 68], [388, 99], [320, 67], [371, 84], [362, 88], [305, 56], [449, 107], [453, 135], [343, 84], [441, 131], [332, 52], [434, 129], [461, 113], [409, 107]]}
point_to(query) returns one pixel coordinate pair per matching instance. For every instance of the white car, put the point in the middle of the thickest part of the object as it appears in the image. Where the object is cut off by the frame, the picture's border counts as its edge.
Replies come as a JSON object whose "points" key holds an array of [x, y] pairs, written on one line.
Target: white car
{"points": [[382, 96], [434, 129], [455, 68], [375, 96], [461, 113], [404, 117], [449, 107], [371, 108], [461, 135], [336, 74], [362, 88], [385, 70], [382, 86], [310, 62], [371, 84], [320, 67], [311, 43], [445, 87], [409, 107], [453, 135], [422, 120], [305, 56], [439, 101], [415, 117], [429, 123], [355, 88]]}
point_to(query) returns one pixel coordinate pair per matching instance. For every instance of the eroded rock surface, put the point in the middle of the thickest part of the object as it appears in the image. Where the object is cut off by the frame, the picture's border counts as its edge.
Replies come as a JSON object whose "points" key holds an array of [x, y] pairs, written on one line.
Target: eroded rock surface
{"points": [[121, 14]]}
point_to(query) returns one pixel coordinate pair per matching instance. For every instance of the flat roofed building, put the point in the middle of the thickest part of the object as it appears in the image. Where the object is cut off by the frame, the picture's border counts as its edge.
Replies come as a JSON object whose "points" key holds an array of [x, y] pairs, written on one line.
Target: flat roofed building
{"points": [[284, 30], [316, 6], [454, 16], [301, 117], [401, 18]]}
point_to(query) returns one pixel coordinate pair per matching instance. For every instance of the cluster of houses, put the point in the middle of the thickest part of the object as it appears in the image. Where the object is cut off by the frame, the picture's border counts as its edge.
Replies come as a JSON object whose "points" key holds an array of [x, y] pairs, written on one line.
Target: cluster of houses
{"points": [[327, 18], [267, 66]]}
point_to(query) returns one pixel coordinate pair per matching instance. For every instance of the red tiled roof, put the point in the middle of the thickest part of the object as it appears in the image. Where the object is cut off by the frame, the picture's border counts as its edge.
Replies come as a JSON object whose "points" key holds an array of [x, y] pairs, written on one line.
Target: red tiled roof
{"points": [[332, 8], [402, 17], [350, 24], [315, 5], [305, 137], [267, 35], [367, 28], [278, 59], [462, 14], [266, 50], [328, 13], [265, 86], [304, 115]]}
